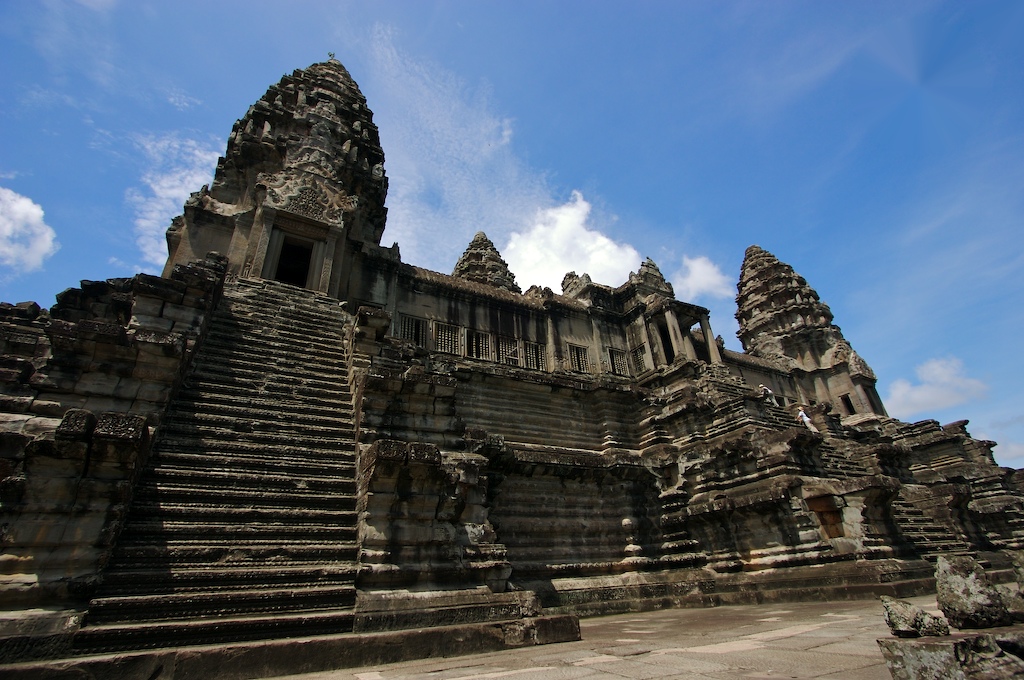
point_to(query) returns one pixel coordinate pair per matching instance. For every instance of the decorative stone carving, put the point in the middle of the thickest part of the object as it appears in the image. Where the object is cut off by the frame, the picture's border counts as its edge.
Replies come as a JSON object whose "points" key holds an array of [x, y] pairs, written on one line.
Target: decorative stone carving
{"points": [[304, 195]]}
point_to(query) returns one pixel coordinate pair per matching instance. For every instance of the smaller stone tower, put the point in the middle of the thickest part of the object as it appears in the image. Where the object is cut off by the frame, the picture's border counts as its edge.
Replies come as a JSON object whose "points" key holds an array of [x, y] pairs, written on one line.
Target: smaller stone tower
{"points": [[481, 262], [782, 319]]}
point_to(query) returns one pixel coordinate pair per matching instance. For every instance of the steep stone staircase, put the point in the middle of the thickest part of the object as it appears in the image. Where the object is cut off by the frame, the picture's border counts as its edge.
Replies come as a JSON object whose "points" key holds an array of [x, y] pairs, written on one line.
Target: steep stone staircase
{"points": [[243, 524]]}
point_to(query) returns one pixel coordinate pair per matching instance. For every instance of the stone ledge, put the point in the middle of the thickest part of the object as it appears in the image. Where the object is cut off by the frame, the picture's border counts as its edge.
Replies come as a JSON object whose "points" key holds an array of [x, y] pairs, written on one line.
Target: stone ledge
{"points": [[262, 659]]}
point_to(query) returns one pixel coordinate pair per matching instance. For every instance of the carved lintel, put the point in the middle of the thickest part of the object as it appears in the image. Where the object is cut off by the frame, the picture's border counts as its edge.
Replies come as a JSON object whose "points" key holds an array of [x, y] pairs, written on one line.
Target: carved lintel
{"points": [[308, 196]]}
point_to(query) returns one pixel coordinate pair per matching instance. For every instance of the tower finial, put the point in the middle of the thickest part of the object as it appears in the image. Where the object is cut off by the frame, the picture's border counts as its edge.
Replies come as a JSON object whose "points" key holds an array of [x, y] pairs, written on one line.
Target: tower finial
{"points": [[330, 55]]}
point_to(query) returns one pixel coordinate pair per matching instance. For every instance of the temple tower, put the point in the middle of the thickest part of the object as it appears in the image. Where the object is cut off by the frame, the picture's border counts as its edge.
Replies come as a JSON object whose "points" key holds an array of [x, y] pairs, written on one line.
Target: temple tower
{"points": [[481, 262], [782, 319], [299, 190]]}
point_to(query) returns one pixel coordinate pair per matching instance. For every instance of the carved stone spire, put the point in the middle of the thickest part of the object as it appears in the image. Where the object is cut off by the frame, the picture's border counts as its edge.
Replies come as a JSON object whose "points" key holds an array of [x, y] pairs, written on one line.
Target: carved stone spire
{"points": [[781, 316], [311, 144], [774, 302], [482, 263]]}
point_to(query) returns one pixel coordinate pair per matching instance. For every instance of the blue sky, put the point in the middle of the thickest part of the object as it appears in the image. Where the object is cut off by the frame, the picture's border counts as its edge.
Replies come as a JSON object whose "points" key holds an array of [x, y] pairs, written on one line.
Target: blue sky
{"points": [[876, 147]]}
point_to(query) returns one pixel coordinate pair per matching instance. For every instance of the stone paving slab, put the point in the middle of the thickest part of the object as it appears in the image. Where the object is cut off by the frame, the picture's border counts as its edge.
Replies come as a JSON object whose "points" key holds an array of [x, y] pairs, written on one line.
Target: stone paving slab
{"points": [[798, 640]]}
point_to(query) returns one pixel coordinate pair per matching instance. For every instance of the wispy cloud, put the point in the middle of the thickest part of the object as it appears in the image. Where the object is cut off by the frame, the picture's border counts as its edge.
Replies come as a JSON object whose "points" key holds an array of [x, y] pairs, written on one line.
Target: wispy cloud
{"points": [[450, 161], [182, 101], [177, 166], [561, 240], [98, 5], [942, 383], [78, 38], [25, 238]]}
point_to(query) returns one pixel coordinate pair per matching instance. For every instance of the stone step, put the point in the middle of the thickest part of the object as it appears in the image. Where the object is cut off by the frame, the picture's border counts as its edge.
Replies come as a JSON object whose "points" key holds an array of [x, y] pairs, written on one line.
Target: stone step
{"points": [[233, 339], [168, 480], [233, 575], [201, 422], [246, 350], [149, 530], [205, 552], [246, 457], [117, 637], [243, 525], [227, 602], [285, 393], [159, 493], [208, 374], [241, 515], [261, 408]]}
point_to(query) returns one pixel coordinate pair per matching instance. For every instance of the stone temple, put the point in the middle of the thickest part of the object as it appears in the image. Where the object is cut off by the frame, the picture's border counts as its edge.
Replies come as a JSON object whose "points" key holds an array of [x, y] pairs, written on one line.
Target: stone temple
{"points": [[303, 453]]}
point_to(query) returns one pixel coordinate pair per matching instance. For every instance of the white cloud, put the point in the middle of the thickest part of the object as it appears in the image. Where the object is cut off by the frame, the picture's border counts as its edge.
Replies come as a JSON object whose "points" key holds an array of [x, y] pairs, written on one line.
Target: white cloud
{"points": [[560, 240], [453, 171], [177, 167], [942, 384], [451, 167], [25, 239], [1009, 453], [181, 101], [700, 277]]}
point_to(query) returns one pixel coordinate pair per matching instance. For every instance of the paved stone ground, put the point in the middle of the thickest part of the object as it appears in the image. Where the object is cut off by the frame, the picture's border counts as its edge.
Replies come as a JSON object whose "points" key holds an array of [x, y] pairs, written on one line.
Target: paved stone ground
{"points": [[798, 640]]}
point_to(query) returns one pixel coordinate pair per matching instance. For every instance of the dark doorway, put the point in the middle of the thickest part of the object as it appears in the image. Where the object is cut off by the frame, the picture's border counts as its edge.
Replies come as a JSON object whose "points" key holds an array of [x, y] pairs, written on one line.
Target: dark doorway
{"points": [[293, 265], [666, 341]]}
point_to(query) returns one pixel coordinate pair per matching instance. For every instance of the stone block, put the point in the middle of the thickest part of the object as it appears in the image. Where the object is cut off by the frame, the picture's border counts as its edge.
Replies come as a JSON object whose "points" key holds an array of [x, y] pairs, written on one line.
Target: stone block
{"points": [[965, 595], [98, 404], [165, 373], [181, 313], [159, 343], [66, 401], [127, 388], [960, 656], [50, 492], [157, 392], [147, 306], [150, 323], [30, 424], [101, 331], [97, 384], [44, 407], [147, 286], [119, 437], [11, 404]]}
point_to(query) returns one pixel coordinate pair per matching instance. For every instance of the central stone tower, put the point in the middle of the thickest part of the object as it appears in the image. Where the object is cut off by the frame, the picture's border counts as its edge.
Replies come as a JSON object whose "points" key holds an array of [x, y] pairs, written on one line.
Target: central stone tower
{"points": [[300, 188]]}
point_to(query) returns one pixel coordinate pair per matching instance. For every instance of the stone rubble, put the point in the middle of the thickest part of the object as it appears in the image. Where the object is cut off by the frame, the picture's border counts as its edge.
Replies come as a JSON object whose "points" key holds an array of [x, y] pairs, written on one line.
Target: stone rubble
{"points": [[966, 597]]}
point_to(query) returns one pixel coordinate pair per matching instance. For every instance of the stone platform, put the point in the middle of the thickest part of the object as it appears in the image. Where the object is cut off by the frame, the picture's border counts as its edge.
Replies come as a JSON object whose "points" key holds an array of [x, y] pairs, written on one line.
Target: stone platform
{"points": [[795, 640], [261, 659]]}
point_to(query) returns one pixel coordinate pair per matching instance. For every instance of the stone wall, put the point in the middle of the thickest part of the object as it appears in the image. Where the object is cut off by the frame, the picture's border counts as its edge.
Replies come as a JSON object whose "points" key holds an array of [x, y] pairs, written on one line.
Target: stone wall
{"points": [[82, 387]]}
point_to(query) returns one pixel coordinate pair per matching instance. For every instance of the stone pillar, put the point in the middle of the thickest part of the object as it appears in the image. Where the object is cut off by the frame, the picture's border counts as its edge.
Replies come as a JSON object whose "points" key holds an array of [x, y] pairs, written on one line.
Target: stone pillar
{"points": [[691, 351], [316, 267], [709, 339], [268, 252], [327, 271], [550, 350], [262, 224], [681, 343], [648, 351]]}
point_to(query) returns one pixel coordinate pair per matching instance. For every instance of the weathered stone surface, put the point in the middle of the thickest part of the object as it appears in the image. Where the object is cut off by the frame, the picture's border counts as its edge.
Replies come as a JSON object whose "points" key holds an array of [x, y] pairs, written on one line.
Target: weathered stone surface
{"points": [[965, 595], [907, 620], [990, 656]]}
